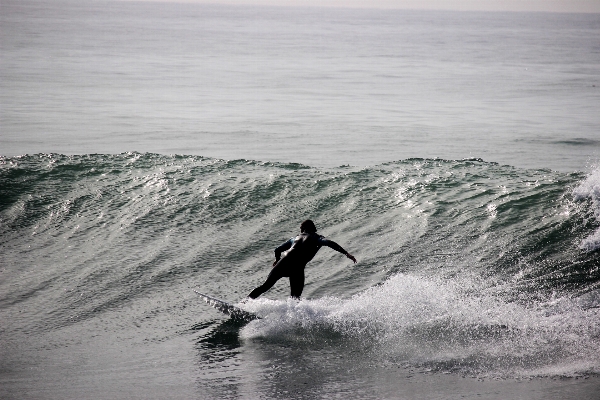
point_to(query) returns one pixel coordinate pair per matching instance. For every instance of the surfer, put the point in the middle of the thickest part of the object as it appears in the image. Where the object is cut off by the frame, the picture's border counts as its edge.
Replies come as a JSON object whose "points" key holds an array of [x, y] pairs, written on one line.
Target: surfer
{"points": [[297, 252]]}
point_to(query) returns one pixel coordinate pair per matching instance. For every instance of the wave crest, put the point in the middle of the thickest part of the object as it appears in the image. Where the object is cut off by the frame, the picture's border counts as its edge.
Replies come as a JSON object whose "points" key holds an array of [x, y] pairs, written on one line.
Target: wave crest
{"points": [[590, 189]]}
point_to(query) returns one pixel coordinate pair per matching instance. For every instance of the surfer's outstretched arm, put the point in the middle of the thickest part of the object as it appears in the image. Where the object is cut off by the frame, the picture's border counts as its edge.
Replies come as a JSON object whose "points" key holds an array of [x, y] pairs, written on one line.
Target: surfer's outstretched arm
{"points": [[337, 247]]}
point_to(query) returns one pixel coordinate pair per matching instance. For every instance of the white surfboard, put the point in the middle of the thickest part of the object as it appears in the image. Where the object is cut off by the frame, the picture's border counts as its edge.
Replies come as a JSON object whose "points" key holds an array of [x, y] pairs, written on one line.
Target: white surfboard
{"points": [[226, 308]]}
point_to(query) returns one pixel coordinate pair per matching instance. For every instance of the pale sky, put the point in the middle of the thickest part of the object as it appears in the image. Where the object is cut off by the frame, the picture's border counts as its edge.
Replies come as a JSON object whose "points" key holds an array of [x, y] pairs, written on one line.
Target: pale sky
{"points": [[586, 6]]}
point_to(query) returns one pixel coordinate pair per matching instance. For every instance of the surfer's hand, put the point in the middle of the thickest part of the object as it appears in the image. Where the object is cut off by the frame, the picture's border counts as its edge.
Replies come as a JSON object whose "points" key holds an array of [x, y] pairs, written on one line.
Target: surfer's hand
{"points": [[350, 256], [275, 262]]}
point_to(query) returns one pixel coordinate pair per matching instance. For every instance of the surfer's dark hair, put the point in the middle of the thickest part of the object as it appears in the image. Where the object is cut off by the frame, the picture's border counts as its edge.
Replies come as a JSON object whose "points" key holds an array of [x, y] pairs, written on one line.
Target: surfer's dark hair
{"points": [[308, 226]]}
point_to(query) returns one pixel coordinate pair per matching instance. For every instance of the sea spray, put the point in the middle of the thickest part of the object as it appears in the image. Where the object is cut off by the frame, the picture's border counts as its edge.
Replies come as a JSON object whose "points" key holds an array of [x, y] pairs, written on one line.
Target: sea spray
{"points": [[590, 189], [441, 326]]}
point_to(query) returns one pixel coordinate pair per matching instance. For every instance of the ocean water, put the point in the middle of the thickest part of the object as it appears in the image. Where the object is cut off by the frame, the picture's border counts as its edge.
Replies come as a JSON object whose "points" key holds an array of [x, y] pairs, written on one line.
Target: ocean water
{"points": [[320, 87], [466, 269], [149, 149]]}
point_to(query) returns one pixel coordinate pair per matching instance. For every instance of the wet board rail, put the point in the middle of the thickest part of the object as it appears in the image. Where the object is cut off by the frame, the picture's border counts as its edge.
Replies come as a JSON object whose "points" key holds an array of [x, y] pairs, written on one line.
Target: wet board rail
{"points": [[226, 308]]}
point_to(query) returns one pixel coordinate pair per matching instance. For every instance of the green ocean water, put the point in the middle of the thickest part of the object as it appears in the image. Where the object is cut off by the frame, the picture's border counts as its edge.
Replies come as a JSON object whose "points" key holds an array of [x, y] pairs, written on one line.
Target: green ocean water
{"points": [[466, 267]]}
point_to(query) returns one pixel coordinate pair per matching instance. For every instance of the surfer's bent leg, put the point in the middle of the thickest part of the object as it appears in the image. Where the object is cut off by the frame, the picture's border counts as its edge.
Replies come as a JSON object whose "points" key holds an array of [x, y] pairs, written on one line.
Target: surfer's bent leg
{"points": [[297, 284], [276, 273]]}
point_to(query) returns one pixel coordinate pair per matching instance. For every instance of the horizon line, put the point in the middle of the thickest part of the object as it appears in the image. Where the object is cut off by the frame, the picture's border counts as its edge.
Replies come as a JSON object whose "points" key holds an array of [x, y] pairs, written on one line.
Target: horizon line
{"points": [[546, 6]]}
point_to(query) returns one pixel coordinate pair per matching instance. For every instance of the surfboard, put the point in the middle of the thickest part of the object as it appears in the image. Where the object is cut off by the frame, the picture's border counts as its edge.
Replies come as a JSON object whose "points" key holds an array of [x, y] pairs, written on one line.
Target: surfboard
{"points": [[226, 308]]}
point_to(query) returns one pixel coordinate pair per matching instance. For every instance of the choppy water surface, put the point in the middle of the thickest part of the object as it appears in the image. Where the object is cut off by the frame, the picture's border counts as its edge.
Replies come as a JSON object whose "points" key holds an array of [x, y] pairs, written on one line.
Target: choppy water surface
{"points": [[467, 268]]}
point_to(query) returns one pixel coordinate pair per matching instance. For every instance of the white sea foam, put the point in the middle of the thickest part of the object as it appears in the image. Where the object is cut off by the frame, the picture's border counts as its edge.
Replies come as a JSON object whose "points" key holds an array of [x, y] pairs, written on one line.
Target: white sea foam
{"points": [[590, 189], [444, 326]]}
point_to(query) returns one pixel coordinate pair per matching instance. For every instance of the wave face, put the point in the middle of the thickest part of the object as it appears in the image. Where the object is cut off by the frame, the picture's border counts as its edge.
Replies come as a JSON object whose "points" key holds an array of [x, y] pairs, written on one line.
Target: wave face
{"points": [[464, 266]]}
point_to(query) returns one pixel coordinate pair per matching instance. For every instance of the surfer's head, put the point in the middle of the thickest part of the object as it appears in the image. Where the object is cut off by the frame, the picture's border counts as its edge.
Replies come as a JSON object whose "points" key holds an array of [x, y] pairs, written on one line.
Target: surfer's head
{"points": [[308, 226]]}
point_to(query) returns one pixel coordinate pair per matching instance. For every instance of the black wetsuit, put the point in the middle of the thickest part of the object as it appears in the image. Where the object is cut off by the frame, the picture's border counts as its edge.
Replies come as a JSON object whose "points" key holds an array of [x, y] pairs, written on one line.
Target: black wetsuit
{"points": [[297, 252]]}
